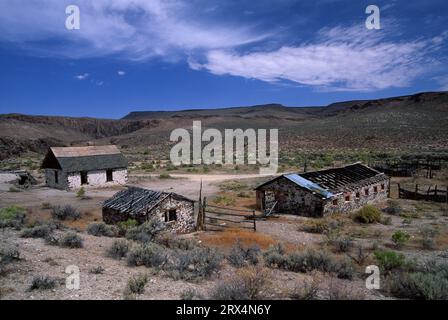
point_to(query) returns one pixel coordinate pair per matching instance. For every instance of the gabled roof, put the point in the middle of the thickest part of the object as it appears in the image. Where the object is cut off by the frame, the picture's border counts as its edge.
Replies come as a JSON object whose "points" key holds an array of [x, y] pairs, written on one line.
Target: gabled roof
{"points": [[134, 200], [327, 183], [74, 159]]}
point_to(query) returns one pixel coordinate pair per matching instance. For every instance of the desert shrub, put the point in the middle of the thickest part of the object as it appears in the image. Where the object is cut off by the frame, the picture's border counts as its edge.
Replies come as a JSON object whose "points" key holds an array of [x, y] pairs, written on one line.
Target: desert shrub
{"points": [[191, 294], [12, 217], [169, 240], [428, 235], [341, 244], [8, 255], [81, 193], [311, 260], [147, 231], [224, 200], [164, 176], [136, 284], [400, 237], [315, 226], [387, 221], [431, 283], [97, 270], [307, 290], [46, 205], [42, 283], [65, 212], [393, 208], [197, 263], [340, 291], [52, 240], [240, 256], [274, 256], [99, 229], [367, 214], [389, 260], [248, 284], [149, 255], [124, 226], [39, 231], [71, 240], [118, 249], [360, 256]]}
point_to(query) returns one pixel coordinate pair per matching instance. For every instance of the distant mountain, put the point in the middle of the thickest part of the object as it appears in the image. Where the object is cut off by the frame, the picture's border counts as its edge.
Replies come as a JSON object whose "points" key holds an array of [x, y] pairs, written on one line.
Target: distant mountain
{"points": [[414, 122]]}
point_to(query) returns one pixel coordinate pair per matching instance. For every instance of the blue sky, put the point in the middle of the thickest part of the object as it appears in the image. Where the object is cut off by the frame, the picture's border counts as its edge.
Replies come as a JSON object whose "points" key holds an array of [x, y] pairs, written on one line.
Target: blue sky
{"points": [[176, 54]]}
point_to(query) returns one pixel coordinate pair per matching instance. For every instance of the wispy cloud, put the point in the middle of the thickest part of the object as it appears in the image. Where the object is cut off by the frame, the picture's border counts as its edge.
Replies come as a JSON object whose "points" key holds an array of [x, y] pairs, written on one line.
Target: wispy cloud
{"points": [[352, 58], [338, 58], [83, 76], [135, 29]]}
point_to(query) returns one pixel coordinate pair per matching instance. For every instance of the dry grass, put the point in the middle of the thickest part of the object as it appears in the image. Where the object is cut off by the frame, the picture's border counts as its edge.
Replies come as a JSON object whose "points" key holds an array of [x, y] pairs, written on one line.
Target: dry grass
{"points": [[227, 238]]}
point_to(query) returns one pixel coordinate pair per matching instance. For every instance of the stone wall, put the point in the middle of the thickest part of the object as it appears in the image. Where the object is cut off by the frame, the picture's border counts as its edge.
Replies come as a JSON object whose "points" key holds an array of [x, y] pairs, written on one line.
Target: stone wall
{"points": [[358, 198], [185, 222], [185, 214], [50, 179], [95, 178], [293, 199]]}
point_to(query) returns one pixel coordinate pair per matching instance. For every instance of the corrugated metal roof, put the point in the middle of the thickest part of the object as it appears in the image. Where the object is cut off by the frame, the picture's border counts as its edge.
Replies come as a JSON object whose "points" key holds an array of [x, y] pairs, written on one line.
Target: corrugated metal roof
{"points": [[309, 185]]}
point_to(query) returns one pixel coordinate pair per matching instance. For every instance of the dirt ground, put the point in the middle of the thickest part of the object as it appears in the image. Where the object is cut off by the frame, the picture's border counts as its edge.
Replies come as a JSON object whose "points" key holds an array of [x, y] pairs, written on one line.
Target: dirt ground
{"points": [[37, 258]]}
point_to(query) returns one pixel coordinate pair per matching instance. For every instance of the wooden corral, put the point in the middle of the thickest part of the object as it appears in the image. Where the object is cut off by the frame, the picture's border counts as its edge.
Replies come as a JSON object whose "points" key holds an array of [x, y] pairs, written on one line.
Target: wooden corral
{"points": [[427, 193]]}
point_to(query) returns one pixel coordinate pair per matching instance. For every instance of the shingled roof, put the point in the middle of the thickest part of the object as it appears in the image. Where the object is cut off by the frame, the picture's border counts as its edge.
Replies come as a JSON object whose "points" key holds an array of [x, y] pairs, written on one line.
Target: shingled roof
{"points": [[74, 159], [134, 200], [329, 182]]}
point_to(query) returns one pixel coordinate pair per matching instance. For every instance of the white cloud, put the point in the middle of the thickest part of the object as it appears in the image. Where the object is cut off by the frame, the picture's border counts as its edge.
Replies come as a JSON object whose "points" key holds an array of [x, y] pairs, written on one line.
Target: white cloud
{"points": [[83, 76], [339, 59], [134, 29]]}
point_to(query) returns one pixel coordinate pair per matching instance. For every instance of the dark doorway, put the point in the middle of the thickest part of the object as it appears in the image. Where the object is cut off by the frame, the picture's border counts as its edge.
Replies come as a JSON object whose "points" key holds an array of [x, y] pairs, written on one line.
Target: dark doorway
{"points": [[84, 179], [109, 175], [56, 177]]}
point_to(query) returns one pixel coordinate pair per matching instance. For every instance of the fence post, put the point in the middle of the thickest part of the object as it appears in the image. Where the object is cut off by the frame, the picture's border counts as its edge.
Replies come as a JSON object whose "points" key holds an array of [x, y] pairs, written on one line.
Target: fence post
{"points": [[204, 205], [399, 191], [255, 222], [416, 192]]}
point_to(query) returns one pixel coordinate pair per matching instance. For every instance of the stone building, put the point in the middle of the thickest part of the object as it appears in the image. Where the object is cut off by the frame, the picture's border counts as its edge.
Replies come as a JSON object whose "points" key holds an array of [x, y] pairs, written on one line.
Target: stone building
{"points": [[318, 193], [72, 167], [140, 204]]}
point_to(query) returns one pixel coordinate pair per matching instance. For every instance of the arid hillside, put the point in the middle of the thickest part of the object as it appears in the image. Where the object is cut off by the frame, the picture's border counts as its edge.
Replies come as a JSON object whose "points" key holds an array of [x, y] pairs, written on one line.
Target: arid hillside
{"points": [[418, 122]]}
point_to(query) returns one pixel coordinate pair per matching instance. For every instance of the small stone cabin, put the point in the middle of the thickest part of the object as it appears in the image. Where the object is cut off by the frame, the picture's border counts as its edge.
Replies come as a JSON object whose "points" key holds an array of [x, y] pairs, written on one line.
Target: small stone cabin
{"points": [[141, 204], [72, 167], [318, 193]]}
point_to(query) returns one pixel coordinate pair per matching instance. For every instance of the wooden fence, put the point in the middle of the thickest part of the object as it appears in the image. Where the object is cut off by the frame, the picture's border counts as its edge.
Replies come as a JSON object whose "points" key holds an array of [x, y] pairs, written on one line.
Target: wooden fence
{"points": [[215, 218], [427, 193]]}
